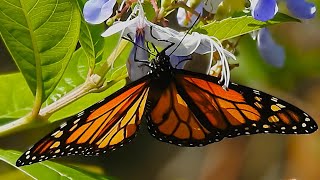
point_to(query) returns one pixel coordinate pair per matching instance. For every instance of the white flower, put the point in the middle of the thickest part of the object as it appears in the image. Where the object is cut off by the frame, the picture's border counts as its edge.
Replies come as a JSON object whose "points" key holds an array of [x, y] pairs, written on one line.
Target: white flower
{"points": [[184, 44]]}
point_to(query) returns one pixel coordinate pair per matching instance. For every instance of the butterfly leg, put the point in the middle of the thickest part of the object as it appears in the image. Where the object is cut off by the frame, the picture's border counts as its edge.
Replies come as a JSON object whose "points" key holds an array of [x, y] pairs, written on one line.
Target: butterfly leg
{"points": [[153, 50], [130, 39]]}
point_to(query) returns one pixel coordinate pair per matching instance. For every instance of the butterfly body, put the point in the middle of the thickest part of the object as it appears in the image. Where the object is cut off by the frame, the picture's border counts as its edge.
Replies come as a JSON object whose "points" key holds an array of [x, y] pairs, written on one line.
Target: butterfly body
{"points": [[181, 107]]}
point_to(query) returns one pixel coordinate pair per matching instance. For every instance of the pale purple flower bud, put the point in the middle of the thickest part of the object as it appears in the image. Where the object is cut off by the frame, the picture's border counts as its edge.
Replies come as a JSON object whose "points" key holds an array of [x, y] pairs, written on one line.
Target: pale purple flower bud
{"points": [[98, 11], [301, 9], [263, 10], [269, 50]]}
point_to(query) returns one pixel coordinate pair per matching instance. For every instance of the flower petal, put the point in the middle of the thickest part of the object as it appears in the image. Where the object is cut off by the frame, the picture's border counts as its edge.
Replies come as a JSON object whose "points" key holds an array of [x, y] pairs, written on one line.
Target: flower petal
{"points": [[179, 61], [154, 33], [97, 11], [136, 69], [119, 26], [271, 52], [301, 9], [263, 10], [130, 25]]}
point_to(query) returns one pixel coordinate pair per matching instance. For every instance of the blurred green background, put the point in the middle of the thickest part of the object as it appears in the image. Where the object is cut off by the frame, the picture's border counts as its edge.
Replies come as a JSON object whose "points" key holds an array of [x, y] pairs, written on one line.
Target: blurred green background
{"points": [[255, 157]]}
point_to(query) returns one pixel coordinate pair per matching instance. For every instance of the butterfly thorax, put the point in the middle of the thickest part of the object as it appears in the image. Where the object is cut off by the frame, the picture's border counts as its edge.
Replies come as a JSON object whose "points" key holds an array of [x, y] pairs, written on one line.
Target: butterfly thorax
{"points": [[161, 67], [162, 62], [162, 72]]}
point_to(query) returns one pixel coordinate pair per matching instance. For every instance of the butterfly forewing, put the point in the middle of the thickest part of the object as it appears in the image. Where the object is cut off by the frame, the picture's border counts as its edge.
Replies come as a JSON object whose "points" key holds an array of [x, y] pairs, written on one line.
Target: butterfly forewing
{"points": [[277, 116], [240, 110], [99, 129]]}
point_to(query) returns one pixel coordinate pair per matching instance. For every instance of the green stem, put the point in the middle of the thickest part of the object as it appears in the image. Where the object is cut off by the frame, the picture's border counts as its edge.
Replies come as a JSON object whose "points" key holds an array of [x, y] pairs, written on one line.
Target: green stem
{"points": [[16, 125], [89, 85], [114, 55]]}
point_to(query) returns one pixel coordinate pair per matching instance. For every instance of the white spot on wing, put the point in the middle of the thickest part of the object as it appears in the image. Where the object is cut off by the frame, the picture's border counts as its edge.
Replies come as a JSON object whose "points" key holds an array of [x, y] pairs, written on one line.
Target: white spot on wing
{"points": [[256, 92], [63, 125], [274, 99]]}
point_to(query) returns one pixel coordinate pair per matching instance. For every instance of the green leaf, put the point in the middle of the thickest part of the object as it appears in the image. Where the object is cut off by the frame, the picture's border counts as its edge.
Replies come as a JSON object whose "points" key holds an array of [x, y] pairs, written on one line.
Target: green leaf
{"points": [[75, 74], [47, 169], [14, 174], [233, 27], [119, 72], [119, 69], [113, 42], [149, 11], [16, 99], [90, 39], [41, 37]]}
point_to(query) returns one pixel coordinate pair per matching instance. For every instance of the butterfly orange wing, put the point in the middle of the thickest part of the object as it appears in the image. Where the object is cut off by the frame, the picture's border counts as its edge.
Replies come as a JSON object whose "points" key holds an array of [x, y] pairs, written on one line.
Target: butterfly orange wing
{"points": [[195, 110], [99, 129], [170, 119], [243, 110]]}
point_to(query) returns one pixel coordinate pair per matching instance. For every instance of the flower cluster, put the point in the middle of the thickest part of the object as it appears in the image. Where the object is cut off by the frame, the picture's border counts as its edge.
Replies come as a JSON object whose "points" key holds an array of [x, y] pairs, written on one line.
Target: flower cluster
{"points": [[141, 31], [264, 10]]}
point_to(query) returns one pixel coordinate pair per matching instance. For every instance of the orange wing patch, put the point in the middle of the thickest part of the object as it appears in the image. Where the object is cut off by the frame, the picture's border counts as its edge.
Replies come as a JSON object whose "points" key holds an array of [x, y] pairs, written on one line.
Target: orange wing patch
{"points": [[173, 117], [240, 110], [230, 95], [99, 129], [172, 121], [222, 107]]}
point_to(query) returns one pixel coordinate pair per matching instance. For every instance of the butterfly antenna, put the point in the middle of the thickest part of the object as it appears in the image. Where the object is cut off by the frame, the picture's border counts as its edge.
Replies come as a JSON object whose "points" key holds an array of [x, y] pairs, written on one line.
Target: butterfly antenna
{"points": [[186, 34]]}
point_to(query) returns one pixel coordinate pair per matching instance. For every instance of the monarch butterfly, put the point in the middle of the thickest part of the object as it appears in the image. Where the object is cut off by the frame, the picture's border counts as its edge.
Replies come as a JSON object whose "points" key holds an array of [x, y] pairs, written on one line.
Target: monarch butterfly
{"points": [[181, 107]]}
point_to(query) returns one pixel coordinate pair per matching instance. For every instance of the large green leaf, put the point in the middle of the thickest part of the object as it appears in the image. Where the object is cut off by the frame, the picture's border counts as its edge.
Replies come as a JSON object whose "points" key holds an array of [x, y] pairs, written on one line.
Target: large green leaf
{"points": [[41, 37], [47, 170], [16, 99], [233, 27]]}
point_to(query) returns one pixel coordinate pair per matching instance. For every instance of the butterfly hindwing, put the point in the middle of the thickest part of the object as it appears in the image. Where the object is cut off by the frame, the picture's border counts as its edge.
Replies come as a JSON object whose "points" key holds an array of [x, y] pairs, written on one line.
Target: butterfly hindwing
{"points": [[99, 129], [170, 120], [240, 110]]}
